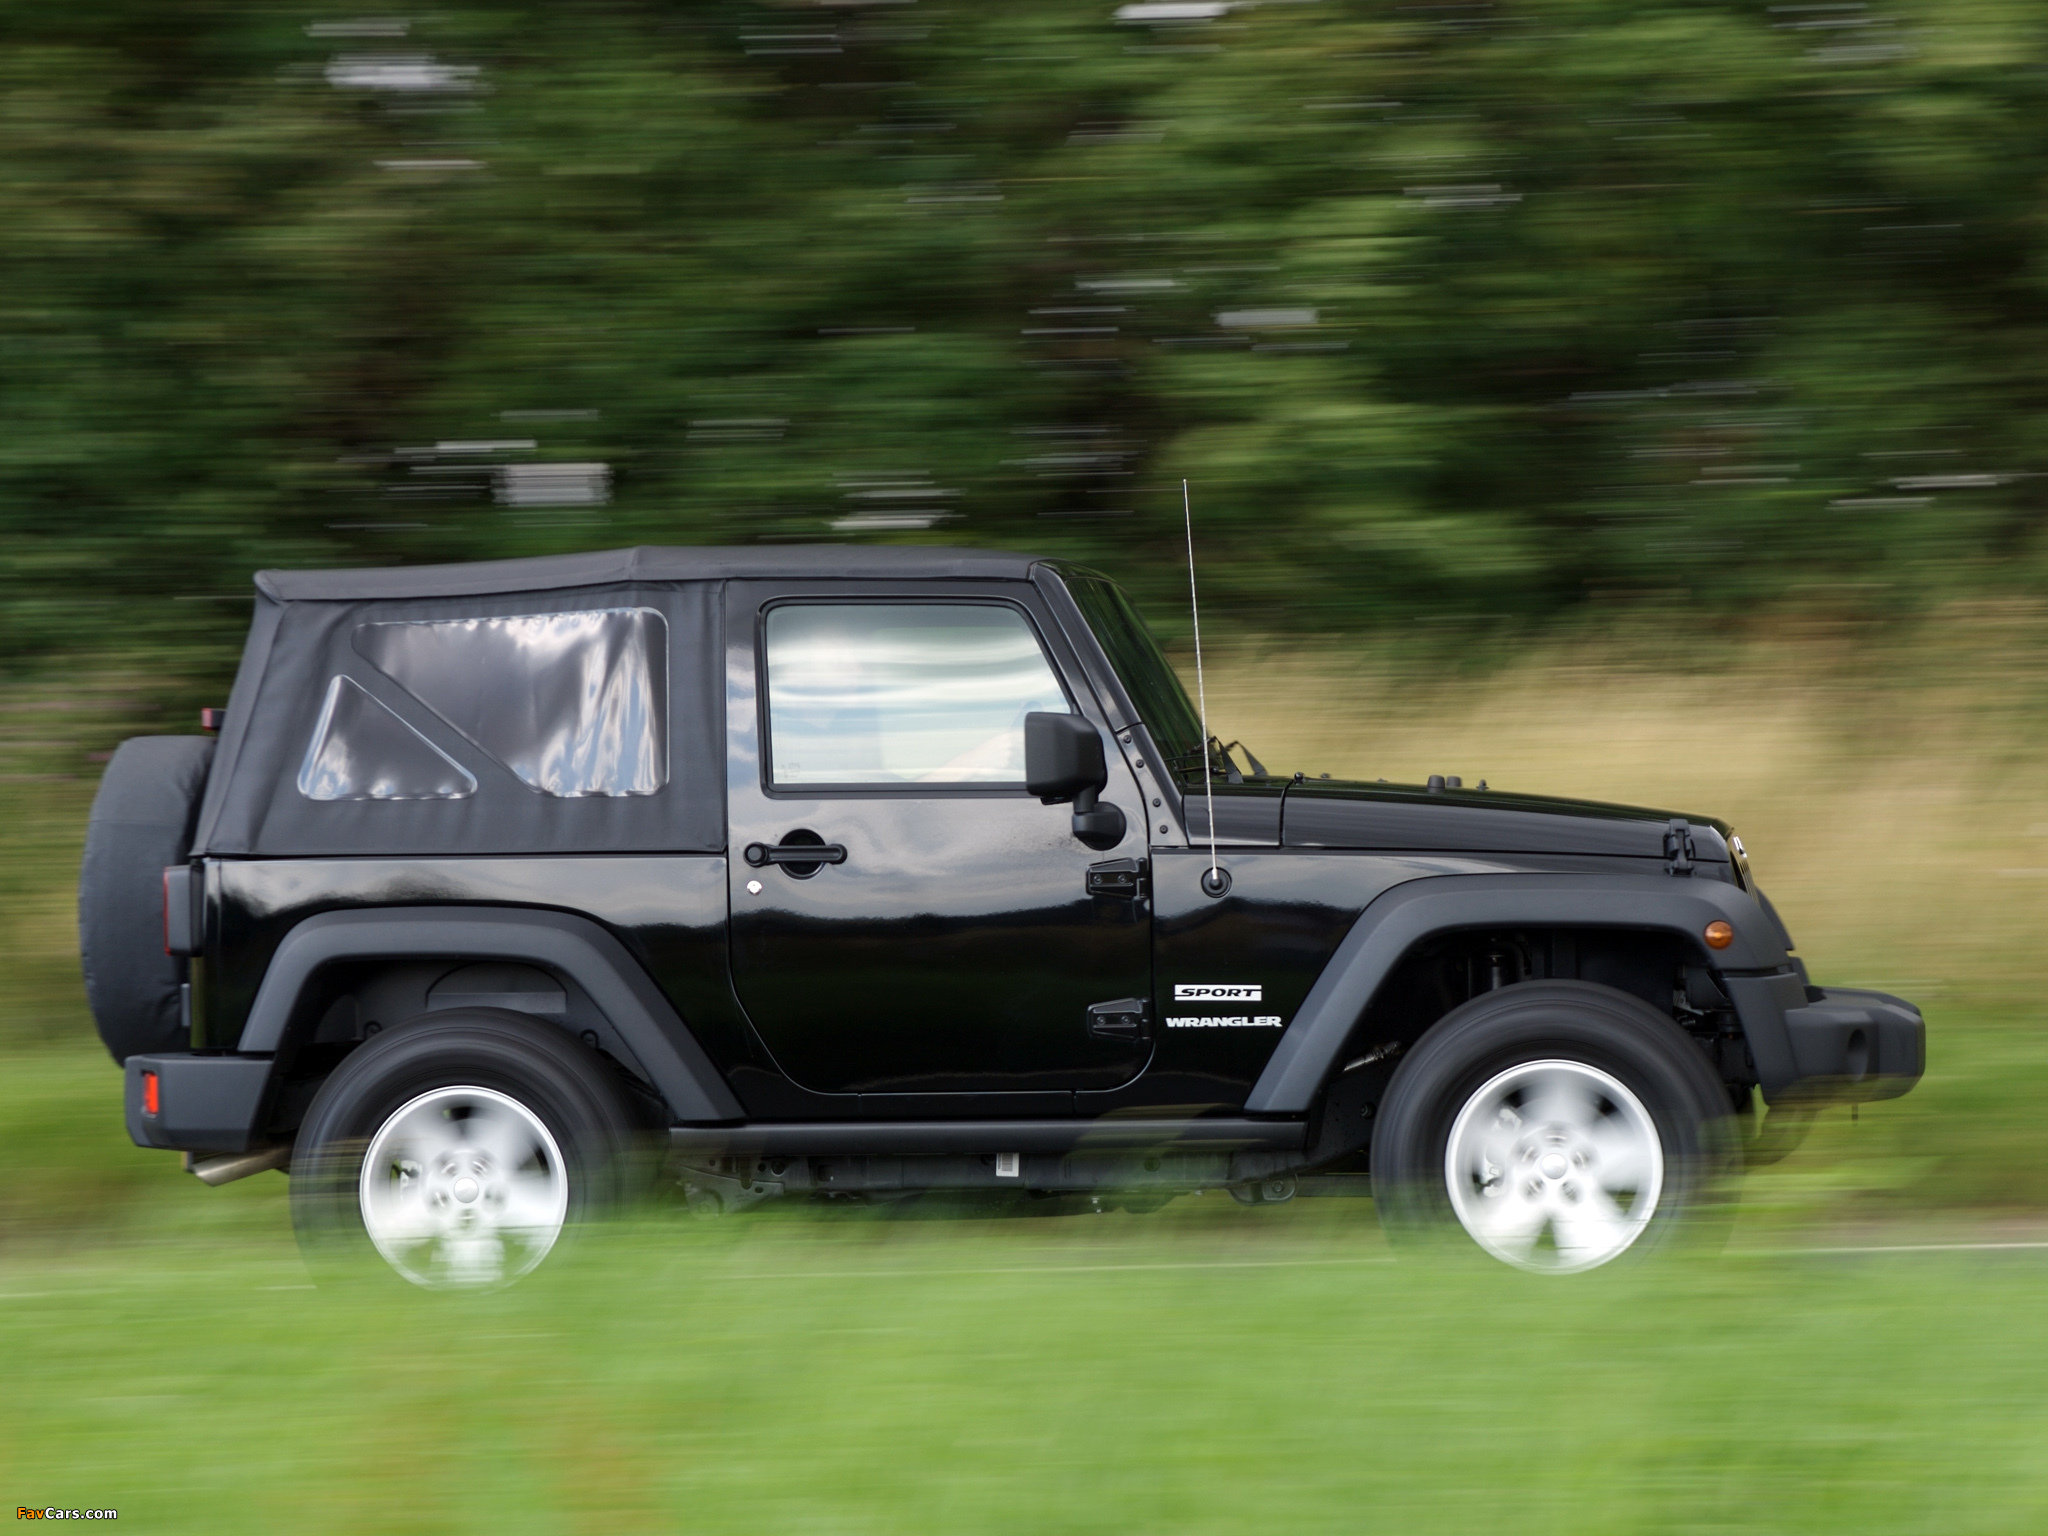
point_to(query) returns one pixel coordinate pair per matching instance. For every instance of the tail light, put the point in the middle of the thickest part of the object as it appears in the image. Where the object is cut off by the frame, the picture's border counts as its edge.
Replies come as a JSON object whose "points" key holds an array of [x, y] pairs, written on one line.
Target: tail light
{"points": [[150, 1100]]}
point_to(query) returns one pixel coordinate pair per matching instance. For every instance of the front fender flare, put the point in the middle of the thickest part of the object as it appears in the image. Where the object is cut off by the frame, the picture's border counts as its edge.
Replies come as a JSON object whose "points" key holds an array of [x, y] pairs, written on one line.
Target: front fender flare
{"points": [[577, 947], [1417, 909]]}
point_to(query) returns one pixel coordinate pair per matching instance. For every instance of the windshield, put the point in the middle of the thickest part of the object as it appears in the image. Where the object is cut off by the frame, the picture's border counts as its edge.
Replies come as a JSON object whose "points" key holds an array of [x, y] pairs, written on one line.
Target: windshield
{"points": [[1147, 676]]}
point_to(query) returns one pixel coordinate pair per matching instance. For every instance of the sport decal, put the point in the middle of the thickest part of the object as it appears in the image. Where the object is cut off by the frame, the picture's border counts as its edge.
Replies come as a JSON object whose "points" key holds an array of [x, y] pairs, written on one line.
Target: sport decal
{"points": [[1213, 992]]}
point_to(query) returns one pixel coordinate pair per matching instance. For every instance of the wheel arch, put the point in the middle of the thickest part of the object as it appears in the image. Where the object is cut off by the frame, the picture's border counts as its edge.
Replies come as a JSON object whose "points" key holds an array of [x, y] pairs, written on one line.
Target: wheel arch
{"points": [[1400, 925], [311, 966]]}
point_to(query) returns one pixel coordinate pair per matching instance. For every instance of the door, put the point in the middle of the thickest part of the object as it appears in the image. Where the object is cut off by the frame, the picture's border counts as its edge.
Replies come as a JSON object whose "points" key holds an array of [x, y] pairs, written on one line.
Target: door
{"points": [[946, 940]]}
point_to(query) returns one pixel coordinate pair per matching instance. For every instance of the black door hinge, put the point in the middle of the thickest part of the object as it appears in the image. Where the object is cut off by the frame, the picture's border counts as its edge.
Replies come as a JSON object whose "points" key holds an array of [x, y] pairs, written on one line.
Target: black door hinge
{"points": [[1118, 877], [1123, 1019], [1678, 849]]}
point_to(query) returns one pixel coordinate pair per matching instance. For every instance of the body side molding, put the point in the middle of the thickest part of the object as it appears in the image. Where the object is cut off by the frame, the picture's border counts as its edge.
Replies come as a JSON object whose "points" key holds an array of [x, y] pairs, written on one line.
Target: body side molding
{"points": [[1418, 908], [575, 946]]}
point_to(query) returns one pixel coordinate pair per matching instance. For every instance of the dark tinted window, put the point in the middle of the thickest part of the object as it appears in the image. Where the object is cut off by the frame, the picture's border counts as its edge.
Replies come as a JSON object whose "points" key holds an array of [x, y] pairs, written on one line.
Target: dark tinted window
{"points": [[1147, 676]]}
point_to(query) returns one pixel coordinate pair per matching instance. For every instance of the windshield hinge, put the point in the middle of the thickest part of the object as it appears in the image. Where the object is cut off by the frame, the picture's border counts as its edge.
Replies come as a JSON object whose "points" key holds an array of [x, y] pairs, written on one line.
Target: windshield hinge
{"points": [[1678, 849]]}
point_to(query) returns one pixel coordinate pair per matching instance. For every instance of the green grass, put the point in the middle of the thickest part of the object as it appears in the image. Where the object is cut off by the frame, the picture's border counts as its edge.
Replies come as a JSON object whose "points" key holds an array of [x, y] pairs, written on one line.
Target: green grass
{"points": [[1205, 1368], [1210, 1369]]}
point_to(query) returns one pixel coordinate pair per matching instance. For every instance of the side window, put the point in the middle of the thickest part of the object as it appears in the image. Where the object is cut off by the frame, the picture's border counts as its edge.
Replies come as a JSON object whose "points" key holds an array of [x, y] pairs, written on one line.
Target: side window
{"points": [[573, 703], [903, 693], [362, 751]]}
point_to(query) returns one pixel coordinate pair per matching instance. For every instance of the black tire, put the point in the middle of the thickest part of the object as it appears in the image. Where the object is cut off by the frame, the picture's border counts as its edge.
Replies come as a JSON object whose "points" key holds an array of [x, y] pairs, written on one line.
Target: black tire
{"points": [[1591, 1031], [487, 1054], [142, 820]]}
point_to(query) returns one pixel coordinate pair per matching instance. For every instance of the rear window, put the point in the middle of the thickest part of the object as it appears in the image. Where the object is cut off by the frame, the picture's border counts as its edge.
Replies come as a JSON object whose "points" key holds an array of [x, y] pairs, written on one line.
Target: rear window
{"points": [[574, 704], [362, 751]]}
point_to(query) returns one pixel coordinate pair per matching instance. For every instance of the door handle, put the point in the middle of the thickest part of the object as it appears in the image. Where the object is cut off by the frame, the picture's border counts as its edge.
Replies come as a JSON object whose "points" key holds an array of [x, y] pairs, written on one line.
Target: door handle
{"points": [[759, 854]]}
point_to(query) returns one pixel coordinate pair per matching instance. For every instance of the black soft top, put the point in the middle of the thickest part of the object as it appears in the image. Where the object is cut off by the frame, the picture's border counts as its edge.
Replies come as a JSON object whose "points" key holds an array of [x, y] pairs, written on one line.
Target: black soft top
{"points": [[332, 748], [647, 562]]}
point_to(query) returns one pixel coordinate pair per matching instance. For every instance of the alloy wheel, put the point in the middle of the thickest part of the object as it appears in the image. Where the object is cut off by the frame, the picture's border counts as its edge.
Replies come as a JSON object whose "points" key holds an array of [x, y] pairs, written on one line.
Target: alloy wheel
{"points": [[463, 1188], [1554, 1166]]}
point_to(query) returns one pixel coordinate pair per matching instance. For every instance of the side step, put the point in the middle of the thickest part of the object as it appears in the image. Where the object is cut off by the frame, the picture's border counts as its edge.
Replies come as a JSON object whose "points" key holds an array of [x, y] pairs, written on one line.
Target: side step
{"points": [[857, 1138]]}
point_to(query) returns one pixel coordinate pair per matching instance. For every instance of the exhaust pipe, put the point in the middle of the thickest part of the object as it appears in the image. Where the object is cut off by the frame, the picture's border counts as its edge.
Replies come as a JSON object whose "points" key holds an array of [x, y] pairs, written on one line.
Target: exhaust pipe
{"points": [[230, 1166]]}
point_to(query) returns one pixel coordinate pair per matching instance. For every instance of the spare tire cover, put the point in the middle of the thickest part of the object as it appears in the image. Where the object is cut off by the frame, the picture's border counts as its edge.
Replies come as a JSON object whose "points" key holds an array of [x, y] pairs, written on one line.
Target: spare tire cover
{"points": [[142, 821]]}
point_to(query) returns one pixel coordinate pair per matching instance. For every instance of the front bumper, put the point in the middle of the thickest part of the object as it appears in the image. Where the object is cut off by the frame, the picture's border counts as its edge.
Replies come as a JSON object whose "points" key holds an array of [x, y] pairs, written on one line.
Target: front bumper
{"points": [[1828, 1043]]}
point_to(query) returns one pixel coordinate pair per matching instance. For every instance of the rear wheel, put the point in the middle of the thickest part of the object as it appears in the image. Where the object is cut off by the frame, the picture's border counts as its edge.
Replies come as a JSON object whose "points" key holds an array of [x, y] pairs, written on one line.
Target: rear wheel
{"points": [[459, 1151], [1556, 1125]]}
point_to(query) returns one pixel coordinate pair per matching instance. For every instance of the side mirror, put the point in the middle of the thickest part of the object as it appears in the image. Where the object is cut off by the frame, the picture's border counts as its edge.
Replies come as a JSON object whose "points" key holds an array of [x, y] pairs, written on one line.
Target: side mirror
{"points": [[1063, 761], [1062, 758]]}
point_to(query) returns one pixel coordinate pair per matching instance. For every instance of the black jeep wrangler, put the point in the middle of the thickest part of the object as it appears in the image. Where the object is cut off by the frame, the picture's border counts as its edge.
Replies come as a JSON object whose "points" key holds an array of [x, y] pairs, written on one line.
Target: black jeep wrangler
{"points": [[864, 872]]}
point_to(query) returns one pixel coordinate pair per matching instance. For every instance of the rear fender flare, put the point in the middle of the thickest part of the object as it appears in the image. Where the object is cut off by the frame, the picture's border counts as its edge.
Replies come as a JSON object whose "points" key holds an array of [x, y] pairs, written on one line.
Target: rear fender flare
{"points": [[1418, 909], [575, 946]]}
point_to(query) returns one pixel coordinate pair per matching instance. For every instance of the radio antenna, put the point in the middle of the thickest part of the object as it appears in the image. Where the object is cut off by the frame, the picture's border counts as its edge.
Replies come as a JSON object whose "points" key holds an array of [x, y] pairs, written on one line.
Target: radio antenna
{"points": [[1213, 881]]}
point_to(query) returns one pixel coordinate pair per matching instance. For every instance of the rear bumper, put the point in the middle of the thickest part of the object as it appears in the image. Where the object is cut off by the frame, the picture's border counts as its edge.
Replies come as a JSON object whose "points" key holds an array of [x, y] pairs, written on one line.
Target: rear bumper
{"points": [[1828, 1042], [203, 1103]]}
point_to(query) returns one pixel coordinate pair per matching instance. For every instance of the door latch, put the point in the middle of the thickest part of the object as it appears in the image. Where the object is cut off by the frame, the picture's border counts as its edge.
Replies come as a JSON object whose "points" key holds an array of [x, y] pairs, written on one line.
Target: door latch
{"points": [[758, 854], [1122, 1020], [1117, 877], [801, 853]]}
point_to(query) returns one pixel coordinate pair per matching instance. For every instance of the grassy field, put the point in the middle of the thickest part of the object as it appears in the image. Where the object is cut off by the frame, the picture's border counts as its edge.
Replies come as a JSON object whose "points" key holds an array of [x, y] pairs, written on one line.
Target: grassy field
{"points": [[1206, 1368]]}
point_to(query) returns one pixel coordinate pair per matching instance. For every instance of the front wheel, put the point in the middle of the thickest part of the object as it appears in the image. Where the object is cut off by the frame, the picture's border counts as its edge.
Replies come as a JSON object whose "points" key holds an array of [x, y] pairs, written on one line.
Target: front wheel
{"points": [[1557, 1125], [458, 1151]]}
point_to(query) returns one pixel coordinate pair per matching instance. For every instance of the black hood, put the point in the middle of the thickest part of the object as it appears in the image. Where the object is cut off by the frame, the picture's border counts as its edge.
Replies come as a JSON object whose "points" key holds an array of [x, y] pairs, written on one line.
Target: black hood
{"points": [[1321, 813]]}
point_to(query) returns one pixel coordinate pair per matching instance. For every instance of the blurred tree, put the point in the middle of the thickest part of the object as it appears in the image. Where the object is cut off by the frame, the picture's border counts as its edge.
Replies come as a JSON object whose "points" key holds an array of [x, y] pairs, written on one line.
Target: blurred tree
{"points": [[1461, 311]]}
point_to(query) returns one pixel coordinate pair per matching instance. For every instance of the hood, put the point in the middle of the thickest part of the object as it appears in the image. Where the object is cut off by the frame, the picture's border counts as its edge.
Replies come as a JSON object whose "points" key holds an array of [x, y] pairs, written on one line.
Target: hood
{"points": [[1320, 813]]}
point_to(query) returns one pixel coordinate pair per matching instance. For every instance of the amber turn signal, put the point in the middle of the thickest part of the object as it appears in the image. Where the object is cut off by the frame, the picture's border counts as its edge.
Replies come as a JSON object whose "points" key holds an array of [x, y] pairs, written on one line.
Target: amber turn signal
{"points": [[1719, 935]]}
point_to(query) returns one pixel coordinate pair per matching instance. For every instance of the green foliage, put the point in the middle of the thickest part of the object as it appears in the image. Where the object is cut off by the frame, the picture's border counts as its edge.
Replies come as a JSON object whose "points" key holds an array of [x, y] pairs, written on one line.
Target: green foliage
{"points": [[1450, 311]]}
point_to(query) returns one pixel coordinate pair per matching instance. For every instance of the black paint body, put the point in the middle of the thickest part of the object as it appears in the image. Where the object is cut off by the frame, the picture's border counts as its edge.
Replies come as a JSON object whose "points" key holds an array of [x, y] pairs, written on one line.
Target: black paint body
{"points": [[944, 968], [955, 951]]}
